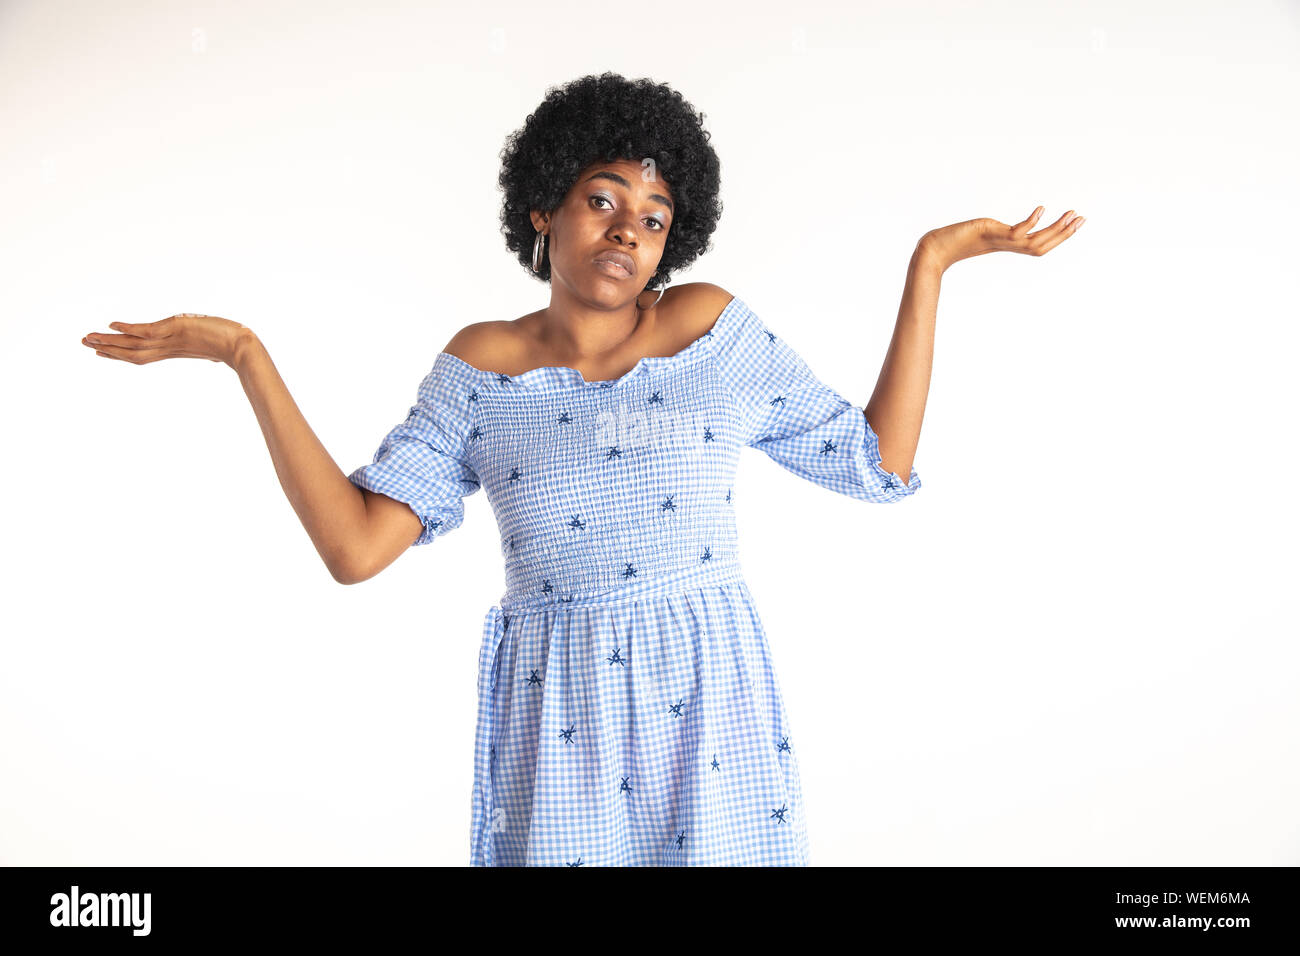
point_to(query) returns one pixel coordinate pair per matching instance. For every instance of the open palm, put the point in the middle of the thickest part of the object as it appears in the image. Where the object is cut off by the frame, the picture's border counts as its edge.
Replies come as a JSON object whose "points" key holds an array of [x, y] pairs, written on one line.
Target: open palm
{"points": [[975, 237]]}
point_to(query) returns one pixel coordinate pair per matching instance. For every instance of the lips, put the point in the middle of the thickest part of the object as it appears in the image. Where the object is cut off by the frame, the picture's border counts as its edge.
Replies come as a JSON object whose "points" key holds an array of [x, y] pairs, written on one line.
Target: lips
{"points": [[618, 258]]}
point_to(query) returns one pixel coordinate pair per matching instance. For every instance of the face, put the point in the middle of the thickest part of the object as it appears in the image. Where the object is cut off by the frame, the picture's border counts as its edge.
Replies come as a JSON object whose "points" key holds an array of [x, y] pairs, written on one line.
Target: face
{"points": [[619, 211]]}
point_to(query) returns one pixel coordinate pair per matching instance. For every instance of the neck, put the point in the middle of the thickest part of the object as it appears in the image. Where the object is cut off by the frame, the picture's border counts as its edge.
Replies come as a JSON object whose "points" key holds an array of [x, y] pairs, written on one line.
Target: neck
{"points": [[578, 330]]}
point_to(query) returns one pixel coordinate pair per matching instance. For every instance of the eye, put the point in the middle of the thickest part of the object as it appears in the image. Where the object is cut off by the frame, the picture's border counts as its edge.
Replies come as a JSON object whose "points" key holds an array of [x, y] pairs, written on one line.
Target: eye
{"points": [[659, 226]]}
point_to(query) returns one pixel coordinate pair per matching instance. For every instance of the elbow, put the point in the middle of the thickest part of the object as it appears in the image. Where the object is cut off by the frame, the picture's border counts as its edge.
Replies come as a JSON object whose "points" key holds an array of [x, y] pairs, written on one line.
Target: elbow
{"points": [[348, 573], [342, 578]]}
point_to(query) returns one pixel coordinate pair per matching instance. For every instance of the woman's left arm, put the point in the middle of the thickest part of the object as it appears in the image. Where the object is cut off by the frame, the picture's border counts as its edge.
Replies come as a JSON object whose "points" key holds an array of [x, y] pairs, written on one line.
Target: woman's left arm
{"points": [[897, 405]]}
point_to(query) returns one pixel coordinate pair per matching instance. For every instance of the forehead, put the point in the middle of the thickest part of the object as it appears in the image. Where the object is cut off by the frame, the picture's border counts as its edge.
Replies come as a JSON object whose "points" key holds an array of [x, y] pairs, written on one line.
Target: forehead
{"points": [[628, 173]]}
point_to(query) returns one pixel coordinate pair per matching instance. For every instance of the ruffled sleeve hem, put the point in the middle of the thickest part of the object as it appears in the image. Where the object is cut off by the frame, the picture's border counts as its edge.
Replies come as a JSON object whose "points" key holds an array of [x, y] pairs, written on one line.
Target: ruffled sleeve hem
{"points": [[422, 462], [797, 420], [888, 482]]}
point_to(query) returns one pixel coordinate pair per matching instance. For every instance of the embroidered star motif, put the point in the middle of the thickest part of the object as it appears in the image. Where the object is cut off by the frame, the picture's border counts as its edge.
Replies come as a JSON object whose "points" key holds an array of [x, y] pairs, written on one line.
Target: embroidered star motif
{"points": [[568, 734], [533, 679], [779, 815], [676, 709], [615, 659]]}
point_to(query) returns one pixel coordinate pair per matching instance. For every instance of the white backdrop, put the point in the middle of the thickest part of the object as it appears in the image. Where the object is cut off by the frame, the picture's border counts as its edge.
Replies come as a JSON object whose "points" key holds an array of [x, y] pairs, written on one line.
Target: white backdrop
{"points": [[1075, 645]]}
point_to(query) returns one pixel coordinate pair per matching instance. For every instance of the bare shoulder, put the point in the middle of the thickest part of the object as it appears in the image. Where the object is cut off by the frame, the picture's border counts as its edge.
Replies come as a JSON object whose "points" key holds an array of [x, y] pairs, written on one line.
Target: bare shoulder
{"points": [[696, 307], [484, 344], [684, 314]]}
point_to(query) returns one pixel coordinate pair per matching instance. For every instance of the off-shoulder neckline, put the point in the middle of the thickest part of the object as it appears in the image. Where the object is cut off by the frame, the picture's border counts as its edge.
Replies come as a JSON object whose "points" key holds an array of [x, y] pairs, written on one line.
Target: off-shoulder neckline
{"points": [[560, 375]]}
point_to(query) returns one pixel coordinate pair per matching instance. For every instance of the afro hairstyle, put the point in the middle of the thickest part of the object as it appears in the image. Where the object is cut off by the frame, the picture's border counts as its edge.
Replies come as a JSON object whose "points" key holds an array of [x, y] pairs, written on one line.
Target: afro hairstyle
{"points": [[602, 119]]}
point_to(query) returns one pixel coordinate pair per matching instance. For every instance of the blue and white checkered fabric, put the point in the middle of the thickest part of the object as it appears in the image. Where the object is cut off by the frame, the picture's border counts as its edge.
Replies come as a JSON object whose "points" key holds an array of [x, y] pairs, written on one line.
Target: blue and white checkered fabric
{"points": [[629, 713]]}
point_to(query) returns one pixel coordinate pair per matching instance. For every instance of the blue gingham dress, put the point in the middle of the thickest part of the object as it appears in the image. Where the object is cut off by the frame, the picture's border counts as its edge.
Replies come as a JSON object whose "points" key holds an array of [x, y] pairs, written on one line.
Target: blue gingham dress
{"points": [[628, 711]]}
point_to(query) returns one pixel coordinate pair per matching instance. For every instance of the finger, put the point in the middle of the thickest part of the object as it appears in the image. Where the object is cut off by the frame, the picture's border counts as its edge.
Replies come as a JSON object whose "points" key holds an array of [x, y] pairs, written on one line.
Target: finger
{"points": [[156, 330], [101, 349], [1057, 237], [130, 328], [136, 356], [132, 335], [1048, 231], [1022, 227], [102, 340], [95, 340]]}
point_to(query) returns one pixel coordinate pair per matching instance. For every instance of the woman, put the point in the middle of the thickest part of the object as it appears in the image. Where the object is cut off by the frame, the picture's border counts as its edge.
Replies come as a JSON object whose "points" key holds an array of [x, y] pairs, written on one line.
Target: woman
{"points": [[628, 709]]}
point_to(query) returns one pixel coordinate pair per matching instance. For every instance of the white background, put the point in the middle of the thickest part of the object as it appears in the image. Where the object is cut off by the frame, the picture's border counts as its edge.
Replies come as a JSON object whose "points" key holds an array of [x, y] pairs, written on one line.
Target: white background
{"points": [[1075, 645]]}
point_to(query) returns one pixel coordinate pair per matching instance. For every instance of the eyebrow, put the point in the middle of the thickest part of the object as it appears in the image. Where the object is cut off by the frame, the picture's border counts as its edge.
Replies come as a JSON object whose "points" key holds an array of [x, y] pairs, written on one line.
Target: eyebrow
{"points": [[606, 174]]}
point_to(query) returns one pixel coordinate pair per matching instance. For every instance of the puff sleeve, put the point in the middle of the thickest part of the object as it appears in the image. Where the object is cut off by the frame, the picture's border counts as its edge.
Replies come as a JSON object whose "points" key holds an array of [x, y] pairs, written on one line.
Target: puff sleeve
{"points": [[799, 422], [422, 461]]}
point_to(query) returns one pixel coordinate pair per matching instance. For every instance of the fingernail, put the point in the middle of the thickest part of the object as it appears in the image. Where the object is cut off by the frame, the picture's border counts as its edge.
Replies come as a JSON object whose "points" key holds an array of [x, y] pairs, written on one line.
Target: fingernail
{"points": [[92, 339]]}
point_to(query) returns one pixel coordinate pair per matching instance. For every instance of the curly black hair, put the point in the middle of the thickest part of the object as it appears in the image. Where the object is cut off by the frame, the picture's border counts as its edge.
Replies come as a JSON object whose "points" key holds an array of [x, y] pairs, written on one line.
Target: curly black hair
{"points": [[602, 119]]}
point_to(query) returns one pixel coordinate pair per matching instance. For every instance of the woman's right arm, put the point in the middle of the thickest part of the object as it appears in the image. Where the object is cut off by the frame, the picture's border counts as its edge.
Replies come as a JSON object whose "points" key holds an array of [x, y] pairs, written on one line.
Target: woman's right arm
{"points": [[356, 532]]}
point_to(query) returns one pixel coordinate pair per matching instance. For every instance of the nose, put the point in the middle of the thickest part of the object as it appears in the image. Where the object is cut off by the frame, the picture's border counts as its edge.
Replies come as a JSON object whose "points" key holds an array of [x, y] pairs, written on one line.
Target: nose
{"points": [[624, 233]]}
